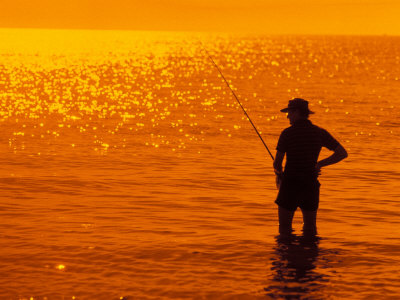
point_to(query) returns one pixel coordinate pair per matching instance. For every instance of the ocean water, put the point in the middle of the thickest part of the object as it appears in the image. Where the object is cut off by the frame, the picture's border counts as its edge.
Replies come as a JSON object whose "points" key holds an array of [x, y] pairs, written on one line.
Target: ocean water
{"points": [[128, 171]]}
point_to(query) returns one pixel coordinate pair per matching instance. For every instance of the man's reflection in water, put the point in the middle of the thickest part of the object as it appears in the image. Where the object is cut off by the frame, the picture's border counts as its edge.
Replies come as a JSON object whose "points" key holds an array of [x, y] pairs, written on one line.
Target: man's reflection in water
{"points": [[294, 274]]}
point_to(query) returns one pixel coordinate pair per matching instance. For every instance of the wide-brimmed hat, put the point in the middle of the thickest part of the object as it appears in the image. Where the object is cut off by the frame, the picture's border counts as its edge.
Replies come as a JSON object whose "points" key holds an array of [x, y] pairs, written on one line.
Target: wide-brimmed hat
{"points": [[297, 103]]}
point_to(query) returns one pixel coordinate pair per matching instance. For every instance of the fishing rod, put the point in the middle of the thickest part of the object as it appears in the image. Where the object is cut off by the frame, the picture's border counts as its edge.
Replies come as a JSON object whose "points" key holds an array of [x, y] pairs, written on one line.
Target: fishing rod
{"points": [[237, 99]]}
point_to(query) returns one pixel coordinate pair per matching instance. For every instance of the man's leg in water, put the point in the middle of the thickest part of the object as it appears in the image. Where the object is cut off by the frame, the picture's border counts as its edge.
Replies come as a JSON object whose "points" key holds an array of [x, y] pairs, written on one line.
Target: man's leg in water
{"points": [[309, 222], [285, 220]]}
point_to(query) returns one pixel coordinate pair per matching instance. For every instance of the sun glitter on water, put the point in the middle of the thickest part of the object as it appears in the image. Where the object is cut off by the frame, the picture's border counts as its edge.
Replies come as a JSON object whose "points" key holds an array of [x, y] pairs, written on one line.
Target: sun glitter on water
{"points": [[100, 97]]}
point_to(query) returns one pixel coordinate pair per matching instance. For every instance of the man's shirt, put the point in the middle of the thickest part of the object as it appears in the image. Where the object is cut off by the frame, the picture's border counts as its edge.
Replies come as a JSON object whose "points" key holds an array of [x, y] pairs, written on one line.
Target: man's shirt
{"points": [[302, 143]]}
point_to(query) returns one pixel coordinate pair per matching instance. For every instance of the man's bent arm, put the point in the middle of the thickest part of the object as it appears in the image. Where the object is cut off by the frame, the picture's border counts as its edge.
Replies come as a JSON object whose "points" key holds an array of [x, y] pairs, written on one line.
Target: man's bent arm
{"points": [[278, 168], [278, 161], [339, 154]]}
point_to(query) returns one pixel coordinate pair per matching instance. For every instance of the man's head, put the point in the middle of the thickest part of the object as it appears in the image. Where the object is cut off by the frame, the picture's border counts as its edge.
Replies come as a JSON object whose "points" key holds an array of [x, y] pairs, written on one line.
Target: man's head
{"points": [[297, 109]]}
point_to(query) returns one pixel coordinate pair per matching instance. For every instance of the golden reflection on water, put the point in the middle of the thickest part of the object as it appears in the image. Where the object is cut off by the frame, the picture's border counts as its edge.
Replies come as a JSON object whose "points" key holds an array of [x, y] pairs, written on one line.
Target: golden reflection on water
{"points": [[69, 94], [108, 90]]}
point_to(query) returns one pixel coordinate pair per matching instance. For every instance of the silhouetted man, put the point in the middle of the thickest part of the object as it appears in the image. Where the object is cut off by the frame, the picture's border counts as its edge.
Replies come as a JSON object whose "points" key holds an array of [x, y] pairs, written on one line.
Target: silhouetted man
{"points": [[298, 184]]}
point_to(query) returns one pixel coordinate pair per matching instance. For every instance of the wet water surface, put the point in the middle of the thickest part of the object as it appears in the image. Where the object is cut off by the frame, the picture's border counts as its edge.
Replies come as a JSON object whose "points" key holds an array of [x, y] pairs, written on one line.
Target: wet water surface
{"points": [[128, 169]]}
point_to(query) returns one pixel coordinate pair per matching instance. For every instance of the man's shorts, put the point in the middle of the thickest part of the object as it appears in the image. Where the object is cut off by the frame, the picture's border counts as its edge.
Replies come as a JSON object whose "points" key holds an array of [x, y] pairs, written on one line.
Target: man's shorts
{"points": [[299, 192]]}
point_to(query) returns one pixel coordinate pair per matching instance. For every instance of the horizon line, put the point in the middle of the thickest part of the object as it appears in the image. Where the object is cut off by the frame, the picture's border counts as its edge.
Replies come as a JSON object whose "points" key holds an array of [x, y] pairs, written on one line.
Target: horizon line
{"points": [[193, 31]]}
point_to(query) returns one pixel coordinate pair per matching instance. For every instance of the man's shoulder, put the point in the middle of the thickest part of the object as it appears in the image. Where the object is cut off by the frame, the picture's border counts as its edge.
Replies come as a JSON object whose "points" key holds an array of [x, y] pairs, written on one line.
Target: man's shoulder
{"points": [[327, 139], [316, 127], [287, 130]]}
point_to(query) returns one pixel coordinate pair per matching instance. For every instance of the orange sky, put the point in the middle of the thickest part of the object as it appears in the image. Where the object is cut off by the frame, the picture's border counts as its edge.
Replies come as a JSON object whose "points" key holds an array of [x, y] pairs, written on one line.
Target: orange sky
{"points": [[269, 16]]}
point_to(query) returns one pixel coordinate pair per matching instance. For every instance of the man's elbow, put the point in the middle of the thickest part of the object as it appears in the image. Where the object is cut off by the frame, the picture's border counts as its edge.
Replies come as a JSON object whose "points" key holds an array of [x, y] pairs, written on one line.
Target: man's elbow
{"points": [[278, 160], [341, 152], [345, 154]]}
